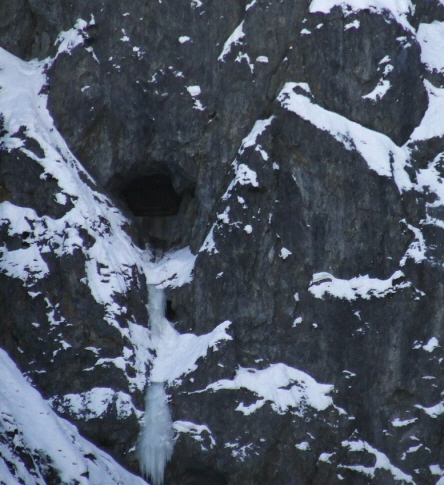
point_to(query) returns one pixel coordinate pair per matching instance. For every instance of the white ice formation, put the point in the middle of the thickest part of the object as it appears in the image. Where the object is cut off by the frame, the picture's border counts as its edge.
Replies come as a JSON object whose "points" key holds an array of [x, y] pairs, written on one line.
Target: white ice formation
{"points": [[155, 445]]}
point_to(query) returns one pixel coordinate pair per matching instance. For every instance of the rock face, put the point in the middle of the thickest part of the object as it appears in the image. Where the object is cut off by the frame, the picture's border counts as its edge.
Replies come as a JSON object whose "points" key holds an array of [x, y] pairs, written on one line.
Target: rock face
{"points": [[276, 169]]}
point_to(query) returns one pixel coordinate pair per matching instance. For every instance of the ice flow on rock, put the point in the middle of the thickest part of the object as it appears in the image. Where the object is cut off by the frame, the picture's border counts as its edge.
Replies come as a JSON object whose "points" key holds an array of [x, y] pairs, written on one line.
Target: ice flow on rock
{"points": [[155, 445]]}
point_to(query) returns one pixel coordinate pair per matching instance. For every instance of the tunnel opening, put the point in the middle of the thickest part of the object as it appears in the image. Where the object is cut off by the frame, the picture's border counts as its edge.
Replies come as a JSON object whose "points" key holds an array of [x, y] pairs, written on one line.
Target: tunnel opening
{"points": [[152, 196], [161, 202], [170, 312]]}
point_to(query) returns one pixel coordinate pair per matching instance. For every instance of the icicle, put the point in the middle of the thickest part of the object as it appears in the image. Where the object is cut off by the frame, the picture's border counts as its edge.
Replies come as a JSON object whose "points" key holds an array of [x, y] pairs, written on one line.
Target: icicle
{"points": [[156, 307], [155, 445]]}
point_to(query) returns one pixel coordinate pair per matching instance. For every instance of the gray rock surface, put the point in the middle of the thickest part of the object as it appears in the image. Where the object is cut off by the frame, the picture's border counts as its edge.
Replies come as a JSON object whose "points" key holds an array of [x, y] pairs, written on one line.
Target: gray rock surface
{"points": [[311, 198]]}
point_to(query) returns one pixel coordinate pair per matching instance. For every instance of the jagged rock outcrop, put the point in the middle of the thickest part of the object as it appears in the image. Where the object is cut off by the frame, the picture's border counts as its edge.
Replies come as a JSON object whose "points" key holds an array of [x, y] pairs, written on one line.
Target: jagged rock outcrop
{"points": [[291, 157]]}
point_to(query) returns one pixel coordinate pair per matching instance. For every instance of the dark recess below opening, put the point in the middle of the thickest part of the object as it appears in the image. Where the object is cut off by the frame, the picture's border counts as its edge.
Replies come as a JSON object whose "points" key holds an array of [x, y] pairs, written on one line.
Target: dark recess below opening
{"points": [[193, 476]]}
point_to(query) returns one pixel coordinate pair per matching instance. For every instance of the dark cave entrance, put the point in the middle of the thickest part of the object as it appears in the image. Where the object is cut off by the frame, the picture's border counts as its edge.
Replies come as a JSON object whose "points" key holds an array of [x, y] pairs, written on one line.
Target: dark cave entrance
{"points": [[161, 202], [152, 196]]}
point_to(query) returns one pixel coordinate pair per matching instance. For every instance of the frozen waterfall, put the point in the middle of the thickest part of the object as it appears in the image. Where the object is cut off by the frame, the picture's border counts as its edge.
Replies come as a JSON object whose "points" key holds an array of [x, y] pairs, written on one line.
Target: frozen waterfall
{"points": [[155, 445]]}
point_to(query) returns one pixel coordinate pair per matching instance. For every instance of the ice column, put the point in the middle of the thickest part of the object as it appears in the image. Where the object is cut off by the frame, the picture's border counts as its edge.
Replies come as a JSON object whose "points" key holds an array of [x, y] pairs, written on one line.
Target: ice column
{"points": [[155, 445]]}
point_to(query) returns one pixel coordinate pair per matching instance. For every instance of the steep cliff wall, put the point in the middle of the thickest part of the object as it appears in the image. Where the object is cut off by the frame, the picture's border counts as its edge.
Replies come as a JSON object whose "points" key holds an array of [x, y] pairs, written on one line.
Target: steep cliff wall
{"points": [[275, 169]]}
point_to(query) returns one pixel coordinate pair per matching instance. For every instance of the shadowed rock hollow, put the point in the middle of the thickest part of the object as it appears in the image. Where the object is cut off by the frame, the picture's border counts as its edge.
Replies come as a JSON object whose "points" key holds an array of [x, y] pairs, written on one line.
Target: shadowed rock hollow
{"points": [[152, 195]]}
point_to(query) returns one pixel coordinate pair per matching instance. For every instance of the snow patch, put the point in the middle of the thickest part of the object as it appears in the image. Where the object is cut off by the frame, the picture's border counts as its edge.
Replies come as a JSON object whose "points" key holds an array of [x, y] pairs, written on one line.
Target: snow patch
{"points": [[196, 431], [40, 431], [244, 175], [431, 345], [68, 40], [411, 449], [284, 253], [194, 90], [25, 264], [284, 387], [177, 353], [437, 470], [381, 462], [352, 25], [94, 403], [381, 154], [251, 139], [358, 287], [209, 245], [234, 39], [243, 56], [397, 9], [224, 217], [125, 38], [303, 446], [399, 423], [432, 123], [325, 457], [241, 452], [417, 249], [380, 90], [431, 39], [173, 270], [297, 321]]}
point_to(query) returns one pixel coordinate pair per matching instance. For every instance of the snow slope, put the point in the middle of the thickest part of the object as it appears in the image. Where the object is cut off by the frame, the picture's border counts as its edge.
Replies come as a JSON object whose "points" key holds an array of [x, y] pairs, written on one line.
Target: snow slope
{"points": [[45, 447]]}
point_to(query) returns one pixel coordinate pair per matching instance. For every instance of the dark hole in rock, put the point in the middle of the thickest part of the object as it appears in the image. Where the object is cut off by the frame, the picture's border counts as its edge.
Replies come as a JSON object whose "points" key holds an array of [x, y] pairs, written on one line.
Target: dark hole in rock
{"points": [[152, 195], [4, 192], [162, 202], [170, 313], [90, 456]]}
